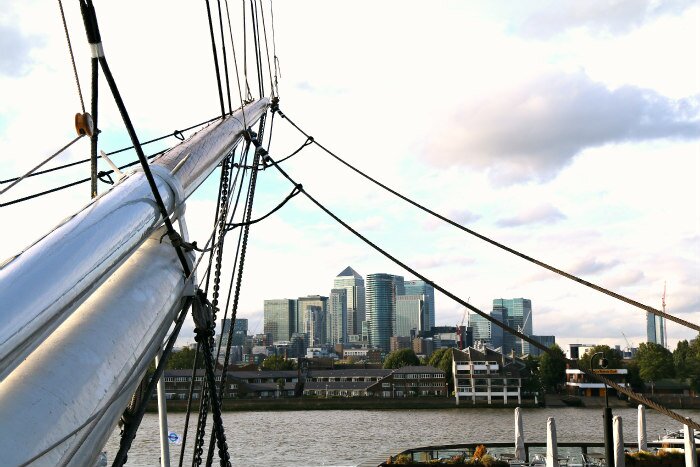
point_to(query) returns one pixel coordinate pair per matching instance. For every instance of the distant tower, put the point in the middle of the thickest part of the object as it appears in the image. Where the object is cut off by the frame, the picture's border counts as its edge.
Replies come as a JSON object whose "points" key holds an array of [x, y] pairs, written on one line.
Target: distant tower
{"points": [[354, 284], [381, 307], [656, 325], [417, 287]]}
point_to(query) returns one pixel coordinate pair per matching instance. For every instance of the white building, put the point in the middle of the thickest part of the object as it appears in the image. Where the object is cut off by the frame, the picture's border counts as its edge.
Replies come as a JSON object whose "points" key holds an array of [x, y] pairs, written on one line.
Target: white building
{"points": [[486, 376]]}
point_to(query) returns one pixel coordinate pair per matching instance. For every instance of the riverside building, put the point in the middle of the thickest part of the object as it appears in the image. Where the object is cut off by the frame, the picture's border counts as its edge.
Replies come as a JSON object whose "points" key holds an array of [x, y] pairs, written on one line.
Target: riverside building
{"points": [[487, 376]]}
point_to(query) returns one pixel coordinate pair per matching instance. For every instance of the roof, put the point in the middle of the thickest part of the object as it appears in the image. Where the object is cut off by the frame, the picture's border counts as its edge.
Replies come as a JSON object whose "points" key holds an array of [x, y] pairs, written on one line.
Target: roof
{"points": [[349, 372], [237, 374], [254, 387], [419, 369], [349, 272]]}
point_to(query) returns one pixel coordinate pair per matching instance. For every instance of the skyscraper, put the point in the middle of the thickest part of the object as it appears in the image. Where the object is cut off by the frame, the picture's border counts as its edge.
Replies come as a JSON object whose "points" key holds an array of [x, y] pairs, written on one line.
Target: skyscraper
{"points": [[417, 287], [411, 315], [278, 318], [354, 284], [312, 312], [337, 320], [656, 331], [485, 331], [518, 316], [381, 307]]}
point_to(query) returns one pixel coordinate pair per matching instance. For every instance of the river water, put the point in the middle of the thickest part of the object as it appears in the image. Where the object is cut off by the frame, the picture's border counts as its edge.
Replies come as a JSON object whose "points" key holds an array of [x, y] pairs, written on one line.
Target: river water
{"points": [[348, 437]]}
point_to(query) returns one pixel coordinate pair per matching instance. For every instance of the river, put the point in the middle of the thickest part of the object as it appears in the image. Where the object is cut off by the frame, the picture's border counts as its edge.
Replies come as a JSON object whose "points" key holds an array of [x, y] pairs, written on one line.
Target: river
{"points": [[348, 437]]}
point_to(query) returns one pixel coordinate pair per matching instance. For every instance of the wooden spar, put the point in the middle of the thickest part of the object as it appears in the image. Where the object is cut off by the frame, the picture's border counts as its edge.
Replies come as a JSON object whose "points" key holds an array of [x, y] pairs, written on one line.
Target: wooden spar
{"points": [[44, 284]]}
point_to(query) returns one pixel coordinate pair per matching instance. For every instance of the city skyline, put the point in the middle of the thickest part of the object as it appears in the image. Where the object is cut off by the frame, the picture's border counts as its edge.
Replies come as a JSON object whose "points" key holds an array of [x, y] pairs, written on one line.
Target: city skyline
{"points": [[545, 168]]}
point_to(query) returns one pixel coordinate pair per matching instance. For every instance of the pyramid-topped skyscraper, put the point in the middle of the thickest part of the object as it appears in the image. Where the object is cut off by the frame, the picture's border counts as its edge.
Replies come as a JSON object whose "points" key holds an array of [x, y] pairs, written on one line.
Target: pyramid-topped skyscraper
{"points": [[354, 284]]}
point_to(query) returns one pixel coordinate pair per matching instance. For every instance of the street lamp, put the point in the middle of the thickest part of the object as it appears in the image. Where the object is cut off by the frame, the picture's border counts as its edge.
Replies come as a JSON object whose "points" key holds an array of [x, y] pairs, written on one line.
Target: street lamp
{"points": [[607, 413]]}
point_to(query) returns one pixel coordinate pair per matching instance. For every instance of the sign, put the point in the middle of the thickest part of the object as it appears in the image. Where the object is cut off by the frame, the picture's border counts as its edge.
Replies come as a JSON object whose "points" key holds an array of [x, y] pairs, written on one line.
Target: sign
{"points": [[174, 438], [605, 371]]}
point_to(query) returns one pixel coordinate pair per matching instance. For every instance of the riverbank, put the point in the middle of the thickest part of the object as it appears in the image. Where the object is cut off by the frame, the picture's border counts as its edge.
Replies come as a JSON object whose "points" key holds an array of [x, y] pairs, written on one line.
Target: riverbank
{"points": [[412, 403], [336, 403]]}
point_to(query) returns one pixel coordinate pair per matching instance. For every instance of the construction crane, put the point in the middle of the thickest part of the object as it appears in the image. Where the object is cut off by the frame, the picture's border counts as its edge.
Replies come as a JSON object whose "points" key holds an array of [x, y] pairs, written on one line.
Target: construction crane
{"points": [[629, 346], [460, 338]]}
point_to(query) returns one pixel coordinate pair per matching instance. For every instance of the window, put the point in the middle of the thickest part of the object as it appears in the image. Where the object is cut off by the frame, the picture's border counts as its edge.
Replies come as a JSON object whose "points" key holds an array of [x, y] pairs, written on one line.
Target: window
{"points": [[386, 385]]}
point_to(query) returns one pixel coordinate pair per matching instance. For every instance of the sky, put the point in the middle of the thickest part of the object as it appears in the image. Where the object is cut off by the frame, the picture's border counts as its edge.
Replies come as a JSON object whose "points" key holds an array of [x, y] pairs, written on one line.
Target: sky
{"points": [[566, 130]]}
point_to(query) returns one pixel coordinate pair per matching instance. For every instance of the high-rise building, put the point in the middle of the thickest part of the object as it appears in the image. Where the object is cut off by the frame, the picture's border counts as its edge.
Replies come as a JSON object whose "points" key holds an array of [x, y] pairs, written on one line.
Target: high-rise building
{"points": [[381, 292], [518, 315], [485, 332], [411, 315], [354, 284], [312, 312], [656, 329], [278, 318], [337, 320], [417, 287]]}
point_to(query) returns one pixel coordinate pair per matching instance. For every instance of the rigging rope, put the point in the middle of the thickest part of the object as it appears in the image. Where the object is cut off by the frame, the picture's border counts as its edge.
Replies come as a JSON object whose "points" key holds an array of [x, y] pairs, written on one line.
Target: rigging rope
{"points": [[216, 60], [584, 282], [638, 397], [256, 42], [78, 182], [176, 134], [235, 65], [274, 51], [223, 51], [31, 171], [72, 58], [94, 64], [267, 52]]}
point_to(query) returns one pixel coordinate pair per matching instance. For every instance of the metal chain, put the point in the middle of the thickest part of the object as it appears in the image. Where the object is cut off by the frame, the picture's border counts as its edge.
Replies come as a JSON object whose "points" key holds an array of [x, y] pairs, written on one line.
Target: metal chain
{"points": [[209, 346]]}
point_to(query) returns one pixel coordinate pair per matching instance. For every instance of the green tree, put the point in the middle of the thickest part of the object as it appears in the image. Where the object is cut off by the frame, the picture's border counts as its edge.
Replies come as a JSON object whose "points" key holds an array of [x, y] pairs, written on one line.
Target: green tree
{"points": [[655, 362], [401, 358], [613, 356], [686, 360], [680, 359], [553, 369], [633, 378], [442, 360], [277, 362], [183, 359]]}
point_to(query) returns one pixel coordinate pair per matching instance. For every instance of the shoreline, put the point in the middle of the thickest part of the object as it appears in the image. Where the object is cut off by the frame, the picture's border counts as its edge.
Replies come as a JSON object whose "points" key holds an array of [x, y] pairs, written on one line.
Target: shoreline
{"points": [[413, 403]]}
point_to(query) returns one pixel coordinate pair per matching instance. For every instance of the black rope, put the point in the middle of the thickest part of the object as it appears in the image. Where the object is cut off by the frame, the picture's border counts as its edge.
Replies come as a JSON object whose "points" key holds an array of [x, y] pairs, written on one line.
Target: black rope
{"points": [[269, 162], [216, 60], [256, 43], [92, 30], [72, 58], [531, 341], [267, 50], [572, 277], [68, 185], [129, 432], [177, 134], [223, 51], [189, 404], [291, 195]]}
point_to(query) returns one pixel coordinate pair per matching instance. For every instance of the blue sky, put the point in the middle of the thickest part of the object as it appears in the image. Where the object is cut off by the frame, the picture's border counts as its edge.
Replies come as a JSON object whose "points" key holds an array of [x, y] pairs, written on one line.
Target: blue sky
{"points": [[569, 132]]}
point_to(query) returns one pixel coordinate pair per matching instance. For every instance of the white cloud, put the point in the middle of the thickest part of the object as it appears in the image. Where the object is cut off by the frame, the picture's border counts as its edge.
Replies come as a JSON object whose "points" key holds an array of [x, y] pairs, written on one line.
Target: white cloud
{"points": [[542, 214], [533, 131]]}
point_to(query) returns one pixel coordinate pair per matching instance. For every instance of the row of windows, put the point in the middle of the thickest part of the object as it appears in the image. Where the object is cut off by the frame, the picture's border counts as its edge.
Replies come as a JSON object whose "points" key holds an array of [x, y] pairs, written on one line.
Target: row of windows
{"points": [[345, 378], [418, 376]]}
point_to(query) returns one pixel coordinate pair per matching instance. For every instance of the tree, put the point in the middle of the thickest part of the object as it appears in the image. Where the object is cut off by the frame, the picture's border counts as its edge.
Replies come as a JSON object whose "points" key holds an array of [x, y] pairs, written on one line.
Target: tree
{"points": [[655, 362], [686, 360], [277, 362], [183, 359], [442, 359], [553, 368], [401, 358], [613, 356], [280, 386]]}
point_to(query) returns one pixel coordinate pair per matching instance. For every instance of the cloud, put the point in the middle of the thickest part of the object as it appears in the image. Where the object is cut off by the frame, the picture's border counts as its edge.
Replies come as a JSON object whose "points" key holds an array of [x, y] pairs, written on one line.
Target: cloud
{"points": [[543, 214], [593, 266], [441, 261], [534, 131], [15, 60], [606, 17]]}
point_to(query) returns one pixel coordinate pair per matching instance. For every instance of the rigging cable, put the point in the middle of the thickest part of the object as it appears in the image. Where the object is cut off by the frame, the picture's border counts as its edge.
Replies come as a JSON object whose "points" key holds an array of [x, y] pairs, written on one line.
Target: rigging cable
{"points": [[16, 180], [267, 51], [129, 432], [591, 374], [216, 60], [223, 51], [256, 42], [177, 134], [275, 60], [77, 182], [291, 195], [235, 64], [584, 282], [72, 58], [94, 64], [248, 94]]}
